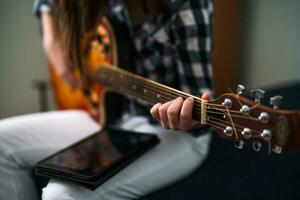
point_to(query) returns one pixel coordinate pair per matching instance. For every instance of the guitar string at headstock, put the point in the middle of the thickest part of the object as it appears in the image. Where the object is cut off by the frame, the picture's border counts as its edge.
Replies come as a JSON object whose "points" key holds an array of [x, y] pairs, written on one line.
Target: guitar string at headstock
{"points": [[243, 119]]}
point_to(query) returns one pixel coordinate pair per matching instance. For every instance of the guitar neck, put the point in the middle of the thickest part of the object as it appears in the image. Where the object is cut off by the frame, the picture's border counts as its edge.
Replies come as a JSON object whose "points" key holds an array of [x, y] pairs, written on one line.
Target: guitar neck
{"points": [[233, 116], [142, 89]]}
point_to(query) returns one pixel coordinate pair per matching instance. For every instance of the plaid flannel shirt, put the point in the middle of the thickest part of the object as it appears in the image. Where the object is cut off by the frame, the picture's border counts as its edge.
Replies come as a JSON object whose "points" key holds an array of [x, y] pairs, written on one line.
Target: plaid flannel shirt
{"points": [[175, 50]]}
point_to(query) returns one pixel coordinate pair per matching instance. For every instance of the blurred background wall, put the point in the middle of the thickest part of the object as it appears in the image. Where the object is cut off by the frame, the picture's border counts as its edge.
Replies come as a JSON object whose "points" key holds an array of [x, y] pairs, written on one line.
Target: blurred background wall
{"points": [[21, 58], [269, 50], [270, 42]]}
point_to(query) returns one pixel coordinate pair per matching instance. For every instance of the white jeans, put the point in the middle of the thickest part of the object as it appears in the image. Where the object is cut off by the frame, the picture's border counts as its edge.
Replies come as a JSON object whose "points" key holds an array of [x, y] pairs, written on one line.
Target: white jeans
{"points": [[24, 140]]}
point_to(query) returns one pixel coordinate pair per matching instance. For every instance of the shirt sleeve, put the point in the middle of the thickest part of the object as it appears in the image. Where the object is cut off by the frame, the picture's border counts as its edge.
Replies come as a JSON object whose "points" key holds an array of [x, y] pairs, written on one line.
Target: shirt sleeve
{"points": [[193, 46], [40, 6]]}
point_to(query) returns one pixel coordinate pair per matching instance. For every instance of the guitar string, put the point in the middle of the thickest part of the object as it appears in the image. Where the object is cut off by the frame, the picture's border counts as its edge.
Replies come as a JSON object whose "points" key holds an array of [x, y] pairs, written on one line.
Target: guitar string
{"points": [[173, 97], [198, 106], [145, 82], [221, 128], [212, 108], [159, 86], [216, 119], [226, 122], [167, 93], [162, 87], [235, 133], [210, 117], [155, 92]]}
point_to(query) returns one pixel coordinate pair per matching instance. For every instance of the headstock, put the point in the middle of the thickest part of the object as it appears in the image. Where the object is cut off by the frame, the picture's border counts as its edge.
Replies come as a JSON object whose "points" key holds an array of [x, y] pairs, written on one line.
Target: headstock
{"points": [[241, 119]]}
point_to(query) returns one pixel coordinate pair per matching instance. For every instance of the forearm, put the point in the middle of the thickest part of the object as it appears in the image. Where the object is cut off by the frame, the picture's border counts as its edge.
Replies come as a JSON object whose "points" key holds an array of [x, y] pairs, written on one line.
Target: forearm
{"points": [[48, 30]]}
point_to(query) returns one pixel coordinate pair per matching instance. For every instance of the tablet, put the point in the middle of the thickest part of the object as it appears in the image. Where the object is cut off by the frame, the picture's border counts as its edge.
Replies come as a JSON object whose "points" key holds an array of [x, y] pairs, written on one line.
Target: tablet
{"points": [[93, 160]]}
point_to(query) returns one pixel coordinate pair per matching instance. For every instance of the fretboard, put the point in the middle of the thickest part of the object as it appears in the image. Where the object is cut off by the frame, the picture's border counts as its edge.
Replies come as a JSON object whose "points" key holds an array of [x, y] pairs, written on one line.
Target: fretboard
{"points": [[144, 90]]}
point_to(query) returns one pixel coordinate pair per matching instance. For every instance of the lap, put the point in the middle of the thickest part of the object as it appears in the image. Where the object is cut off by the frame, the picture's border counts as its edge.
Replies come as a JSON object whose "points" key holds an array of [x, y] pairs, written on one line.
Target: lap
{"points": [[29, 138], [177, 155]]}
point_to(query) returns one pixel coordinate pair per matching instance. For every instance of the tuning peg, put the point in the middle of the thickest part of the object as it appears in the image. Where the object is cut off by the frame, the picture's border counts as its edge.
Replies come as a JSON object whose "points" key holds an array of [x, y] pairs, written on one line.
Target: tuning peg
{"points": [[239, 144], [258, 94], [264, 117], [227, 103], [266, 135], [247, 133], [245, 109], [276, 101], [228, 131], [256, 146], [240, 89]]}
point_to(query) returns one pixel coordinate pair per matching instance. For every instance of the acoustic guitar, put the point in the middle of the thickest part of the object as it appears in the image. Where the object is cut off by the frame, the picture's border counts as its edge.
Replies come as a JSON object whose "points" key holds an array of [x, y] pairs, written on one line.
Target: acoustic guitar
{"points": [[232, 115]]}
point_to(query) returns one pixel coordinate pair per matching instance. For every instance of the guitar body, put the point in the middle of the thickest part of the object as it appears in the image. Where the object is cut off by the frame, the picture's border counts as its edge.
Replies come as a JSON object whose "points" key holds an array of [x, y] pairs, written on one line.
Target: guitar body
{"points": [[102, 46]]}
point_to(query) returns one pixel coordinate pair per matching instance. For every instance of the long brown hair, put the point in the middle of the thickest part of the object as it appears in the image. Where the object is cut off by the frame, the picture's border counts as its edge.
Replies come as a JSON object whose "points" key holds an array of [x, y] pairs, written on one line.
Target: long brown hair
{"points": [[73, 18]]}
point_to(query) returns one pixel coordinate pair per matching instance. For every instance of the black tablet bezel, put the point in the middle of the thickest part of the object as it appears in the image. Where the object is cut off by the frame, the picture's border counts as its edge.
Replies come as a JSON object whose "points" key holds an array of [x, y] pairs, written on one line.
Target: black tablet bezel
{"points": [[59, 171]]}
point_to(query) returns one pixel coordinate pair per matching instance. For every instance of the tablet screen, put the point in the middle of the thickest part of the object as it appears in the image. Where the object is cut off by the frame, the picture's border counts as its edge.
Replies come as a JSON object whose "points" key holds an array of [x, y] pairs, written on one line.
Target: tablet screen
{"points": [[97, 152]]}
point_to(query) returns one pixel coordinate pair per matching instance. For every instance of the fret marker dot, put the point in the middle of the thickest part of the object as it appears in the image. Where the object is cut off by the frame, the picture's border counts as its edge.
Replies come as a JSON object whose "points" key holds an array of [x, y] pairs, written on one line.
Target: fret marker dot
{"points": [[145, 91], [158, 96]]}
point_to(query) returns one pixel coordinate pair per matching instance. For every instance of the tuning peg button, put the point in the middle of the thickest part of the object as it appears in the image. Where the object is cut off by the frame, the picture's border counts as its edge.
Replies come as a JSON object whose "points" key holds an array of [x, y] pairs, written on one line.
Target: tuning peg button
{"points": [[276, 101], [247, 133], [240, 89], [258, 94]]}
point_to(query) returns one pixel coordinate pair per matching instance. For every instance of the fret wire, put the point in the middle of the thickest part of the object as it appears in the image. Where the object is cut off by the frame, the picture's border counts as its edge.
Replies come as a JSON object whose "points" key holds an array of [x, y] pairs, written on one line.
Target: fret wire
{"points": [[168, 94], [154, 84], [154, 93], [196, 115], [149, 89], [152, 87], [144, 80], [153, 100], [161, 87], [195, 106]]}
